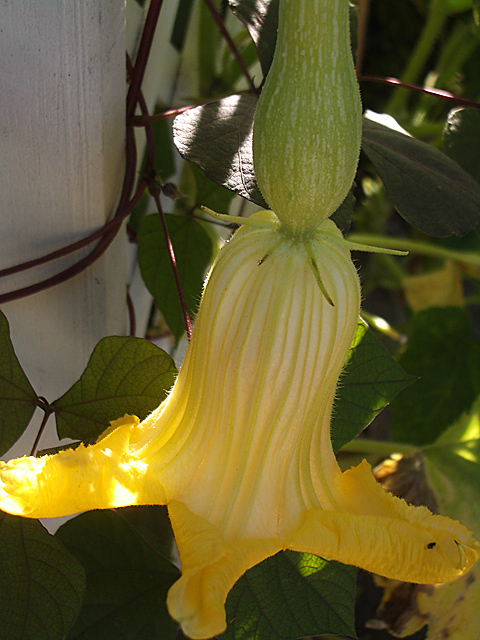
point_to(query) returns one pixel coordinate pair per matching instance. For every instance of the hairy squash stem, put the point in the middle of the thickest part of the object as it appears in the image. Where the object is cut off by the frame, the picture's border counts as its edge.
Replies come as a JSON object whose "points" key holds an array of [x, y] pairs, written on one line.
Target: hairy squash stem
{"points": [[240, 450]]}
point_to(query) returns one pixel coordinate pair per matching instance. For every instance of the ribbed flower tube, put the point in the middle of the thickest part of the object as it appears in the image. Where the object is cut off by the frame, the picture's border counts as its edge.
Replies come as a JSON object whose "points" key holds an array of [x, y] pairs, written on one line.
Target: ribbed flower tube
{"points": [[240, 450], [267, 354]]}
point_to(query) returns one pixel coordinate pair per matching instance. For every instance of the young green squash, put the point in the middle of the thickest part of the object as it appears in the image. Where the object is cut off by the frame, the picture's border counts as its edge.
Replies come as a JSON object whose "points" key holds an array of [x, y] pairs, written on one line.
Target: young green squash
{"points": [[307, 128]]}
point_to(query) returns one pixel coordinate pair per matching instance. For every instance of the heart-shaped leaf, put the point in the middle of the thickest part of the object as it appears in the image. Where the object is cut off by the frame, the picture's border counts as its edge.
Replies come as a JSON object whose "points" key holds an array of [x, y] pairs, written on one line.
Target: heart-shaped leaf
{"points": [[370, 380], [17, 397], [445, 357], [127, 580], [289, 596], [193, 253], [218, 137], [43, 584], [431, 191], [123, 375]]}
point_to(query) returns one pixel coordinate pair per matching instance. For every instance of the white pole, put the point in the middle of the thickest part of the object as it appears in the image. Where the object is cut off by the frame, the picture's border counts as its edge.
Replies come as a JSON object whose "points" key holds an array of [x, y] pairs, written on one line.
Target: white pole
{"points": [[62, 156]]}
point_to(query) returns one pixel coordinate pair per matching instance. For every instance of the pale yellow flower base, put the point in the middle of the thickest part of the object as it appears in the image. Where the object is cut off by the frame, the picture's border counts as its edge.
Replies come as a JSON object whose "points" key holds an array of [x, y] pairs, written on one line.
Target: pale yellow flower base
{"points": [[240, 450]]}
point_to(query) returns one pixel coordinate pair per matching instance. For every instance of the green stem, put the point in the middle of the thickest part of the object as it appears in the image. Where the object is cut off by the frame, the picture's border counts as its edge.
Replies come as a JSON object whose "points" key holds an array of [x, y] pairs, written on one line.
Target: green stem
{"points": [[437, 14], [414, 246], [379, 447]]}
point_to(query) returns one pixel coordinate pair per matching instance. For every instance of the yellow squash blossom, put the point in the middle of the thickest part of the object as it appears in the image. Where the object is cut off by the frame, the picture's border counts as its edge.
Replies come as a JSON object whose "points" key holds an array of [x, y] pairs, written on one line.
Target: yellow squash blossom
{"points": [[240, 450]]}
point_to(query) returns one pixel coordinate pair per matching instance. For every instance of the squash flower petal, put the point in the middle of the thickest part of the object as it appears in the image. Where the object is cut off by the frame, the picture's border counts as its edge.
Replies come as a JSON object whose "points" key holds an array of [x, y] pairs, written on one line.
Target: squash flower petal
{"points": [[240, 450]]}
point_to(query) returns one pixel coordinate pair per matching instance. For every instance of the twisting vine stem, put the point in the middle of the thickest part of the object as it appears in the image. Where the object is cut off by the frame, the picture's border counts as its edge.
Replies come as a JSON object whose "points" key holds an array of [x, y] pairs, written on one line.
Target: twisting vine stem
{"points": [[151, 179], [143, 55], [438, 93]]}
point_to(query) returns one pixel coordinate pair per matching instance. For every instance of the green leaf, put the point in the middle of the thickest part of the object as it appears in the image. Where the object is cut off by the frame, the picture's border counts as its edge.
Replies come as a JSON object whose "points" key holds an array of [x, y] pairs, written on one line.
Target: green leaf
{"points": [[454, 473], [431, 191], [444, 355], [18, 400], [205, 53], [201, 192], [42, 583], [261, 19], [343, 215], [164, 161], [289, 596], [453, 462], [218, 137], [127, 580], [123, 375], [193, 252], [461, 139], [180, 26], [370, 380], [153, 525], [209, 194], [139, 212], [230, 70]]}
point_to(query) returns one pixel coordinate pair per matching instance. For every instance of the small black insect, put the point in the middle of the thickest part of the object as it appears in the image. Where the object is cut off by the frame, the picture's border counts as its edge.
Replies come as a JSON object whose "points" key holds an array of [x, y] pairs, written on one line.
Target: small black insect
{"points": [[430, 545]]}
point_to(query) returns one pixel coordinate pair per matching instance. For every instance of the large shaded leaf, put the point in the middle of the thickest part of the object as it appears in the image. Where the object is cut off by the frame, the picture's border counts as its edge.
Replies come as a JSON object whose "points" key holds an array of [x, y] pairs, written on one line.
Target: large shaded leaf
{"points": [[218, 137], [42, 584], [370, 380], [461, 139], [443, 353], [289, 596], [193, 249], [261, 19], [127, 580], [123, 375], [17, 397], [431, 191]]}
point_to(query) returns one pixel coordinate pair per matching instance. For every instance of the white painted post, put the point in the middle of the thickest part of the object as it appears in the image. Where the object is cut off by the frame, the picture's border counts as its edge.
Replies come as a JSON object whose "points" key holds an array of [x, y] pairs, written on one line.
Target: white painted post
{"points": [[62, 155]]}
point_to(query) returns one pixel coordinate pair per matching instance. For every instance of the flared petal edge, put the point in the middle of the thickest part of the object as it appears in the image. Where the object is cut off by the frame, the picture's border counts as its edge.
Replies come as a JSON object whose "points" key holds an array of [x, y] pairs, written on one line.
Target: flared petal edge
{"points": [[389, 538], [210, 568]]}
